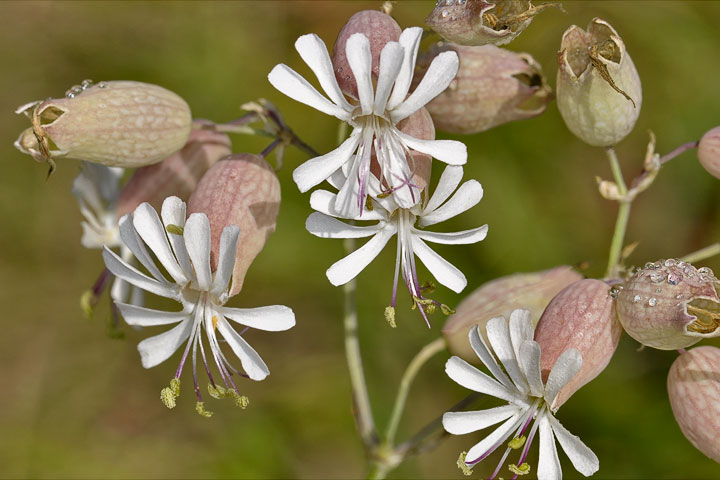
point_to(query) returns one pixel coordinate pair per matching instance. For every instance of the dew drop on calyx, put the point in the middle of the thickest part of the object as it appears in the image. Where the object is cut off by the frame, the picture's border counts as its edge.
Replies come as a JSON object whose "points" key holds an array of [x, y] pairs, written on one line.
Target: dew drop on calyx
{"points": [[656, 277], [444, 13], [674, 278], [636, 299], [652, 302], [615, 291]]}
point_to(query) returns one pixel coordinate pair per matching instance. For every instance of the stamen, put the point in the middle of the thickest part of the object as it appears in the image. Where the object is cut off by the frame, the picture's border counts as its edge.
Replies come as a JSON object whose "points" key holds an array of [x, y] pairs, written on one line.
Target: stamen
{"points": [[200, 409], [462, 465]]}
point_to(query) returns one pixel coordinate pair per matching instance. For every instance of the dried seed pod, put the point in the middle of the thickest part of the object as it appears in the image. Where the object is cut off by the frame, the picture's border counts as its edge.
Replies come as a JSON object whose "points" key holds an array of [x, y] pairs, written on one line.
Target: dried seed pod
{"points": [[379, 28], [581, 316], [598, 88], [709, 152], [178, 174], [476, 22], [119, 123], [240, 190], [670, 304], [493, 86], [694, 389], [498, 298]]}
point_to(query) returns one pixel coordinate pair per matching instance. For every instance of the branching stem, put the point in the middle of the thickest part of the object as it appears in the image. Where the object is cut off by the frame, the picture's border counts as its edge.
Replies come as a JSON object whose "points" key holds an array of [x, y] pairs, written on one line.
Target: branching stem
{"points": [[622, 218]]}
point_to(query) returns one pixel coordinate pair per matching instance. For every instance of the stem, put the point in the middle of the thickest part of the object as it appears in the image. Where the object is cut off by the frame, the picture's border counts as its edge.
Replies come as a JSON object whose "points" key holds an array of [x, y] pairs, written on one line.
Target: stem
{"points": [[425, 354], [361, 400], [681, 149], [622, 218], [703, 253]]}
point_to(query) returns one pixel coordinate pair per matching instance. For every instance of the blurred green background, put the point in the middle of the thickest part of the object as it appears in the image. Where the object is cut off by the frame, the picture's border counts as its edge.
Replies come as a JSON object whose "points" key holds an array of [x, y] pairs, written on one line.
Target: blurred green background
{"points": [[76, 404]]}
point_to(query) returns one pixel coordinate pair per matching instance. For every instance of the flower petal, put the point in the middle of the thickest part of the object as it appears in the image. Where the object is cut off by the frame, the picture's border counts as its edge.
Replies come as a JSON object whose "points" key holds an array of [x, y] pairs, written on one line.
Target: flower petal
{"points": [[274, 318], [226, 259], [486, 357], [454, 238], [499, 336], [292, 84], [324, 202], [131, 275], [449, 181], [349, 267], [347, 200], [473, 379], [324, 226], [132, 242], [391, 59], [529, 358], [566, 367], [315, 54], [410, 41], [451, 152], [197, 242], [251, 362], [152, 231], [466, 197], [445, 272], [120, 290], [521, 329], [157, 349], [174, 212], [494, 440], [441, 72], [359, 57], [145, 317], [460, 423], [582, 458], [548, 462], [317, 169]]}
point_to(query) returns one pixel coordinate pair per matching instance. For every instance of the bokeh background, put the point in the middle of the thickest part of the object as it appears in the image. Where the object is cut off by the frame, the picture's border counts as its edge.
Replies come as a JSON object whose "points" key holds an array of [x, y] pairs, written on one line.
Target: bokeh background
{"points": [[77, 404]]}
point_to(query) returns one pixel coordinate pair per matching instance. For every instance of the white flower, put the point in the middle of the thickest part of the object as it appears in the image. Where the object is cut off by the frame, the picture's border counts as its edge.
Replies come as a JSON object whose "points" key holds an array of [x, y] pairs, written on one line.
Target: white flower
{"points": [[183, 250], [374, 117], [405, 222], [528, 399]]}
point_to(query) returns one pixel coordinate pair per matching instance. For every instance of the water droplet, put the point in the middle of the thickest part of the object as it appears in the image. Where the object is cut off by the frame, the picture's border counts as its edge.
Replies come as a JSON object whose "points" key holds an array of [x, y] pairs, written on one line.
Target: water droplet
{"points": [[85, 84], [687, 269], [670, 262], [656, 277], [674, 278], [444, 13], [461, 2], [705, 272], [102, 85], [652, 302], [680, 296], [659, 264], [69, 94], [650, 265], [636, 299], [615, 291], [682, 264]]}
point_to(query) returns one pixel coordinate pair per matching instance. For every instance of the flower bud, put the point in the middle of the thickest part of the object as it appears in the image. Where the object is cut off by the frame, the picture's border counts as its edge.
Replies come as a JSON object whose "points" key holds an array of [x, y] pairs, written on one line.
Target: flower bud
{"points": [[709, 152], [498, 298], [493, 86], [240, 190], [476, 22], [379, 28], [598, 88], [670, 304], [694, 389], [581, 316], [177, 175], [120, 123]]}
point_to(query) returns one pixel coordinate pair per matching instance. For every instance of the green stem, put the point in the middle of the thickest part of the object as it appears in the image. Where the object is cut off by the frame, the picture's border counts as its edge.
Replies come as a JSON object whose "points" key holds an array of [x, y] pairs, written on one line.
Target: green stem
{"points": [[622, 218], [703, 253], [425, 354]]}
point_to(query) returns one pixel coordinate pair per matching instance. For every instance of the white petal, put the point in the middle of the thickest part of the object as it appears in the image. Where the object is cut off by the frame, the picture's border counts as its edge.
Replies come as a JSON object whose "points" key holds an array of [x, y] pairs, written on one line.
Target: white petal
{"points": [[441, 72], [324, 202], [359, 57], [451, 152], [466, 197], [496, 438], [292, 84], [274, 318], [349, 267], [460, 423], [445, 272], [317, 169], [548, 462], [131, 275], [410, 41], [197, 242], [173, 212], [119, 290], [566, 367], [132, 241], [251, 362], [582, 458], [521, 329], [324, 226], [486, 357], [499, 337], [137, 296], [346, 200], [529, 358], [145, 317], [473, 379], [314, 52], [449, 181], [157, 349], [151, 229], [391, 59], [226, 259], [455, 238]]}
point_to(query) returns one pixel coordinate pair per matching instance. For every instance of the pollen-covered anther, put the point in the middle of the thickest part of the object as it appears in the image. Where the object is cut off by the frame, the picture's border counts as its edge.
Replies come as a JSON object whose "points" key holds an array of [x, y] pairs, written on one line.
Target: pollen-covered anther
{"points": [[200, 409], [467, 471], [390, 316], [523, 469]]}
